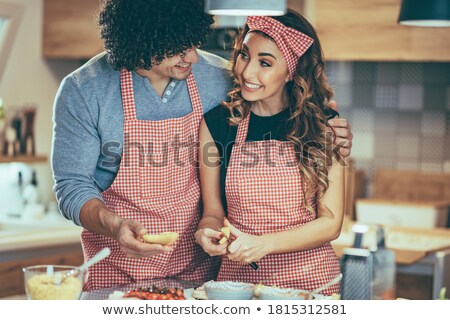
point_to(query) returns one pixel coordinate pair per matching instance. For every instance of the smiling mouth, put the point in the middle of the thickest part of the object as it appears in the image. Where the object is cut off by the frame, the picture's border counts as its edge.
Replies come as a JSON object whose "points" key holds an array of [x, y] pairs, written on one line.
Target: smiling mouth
{"points": [[251, 86], [183, 66]]}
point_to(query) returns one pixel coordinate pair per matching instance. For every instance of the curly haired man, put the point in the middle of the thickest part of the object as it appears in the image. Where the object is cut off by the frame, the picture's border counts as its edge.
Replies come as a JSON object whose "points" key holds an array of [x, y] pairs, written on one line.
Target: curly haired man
{"points": [[125, 139]]}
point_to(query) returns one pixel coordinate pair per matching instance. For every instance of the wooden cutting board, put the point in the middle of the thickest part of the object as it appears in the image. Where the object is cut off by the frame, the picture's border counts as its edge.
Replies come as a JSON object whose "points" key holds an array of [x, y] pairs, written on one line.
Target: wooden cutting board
{"points": [[412, 185]]}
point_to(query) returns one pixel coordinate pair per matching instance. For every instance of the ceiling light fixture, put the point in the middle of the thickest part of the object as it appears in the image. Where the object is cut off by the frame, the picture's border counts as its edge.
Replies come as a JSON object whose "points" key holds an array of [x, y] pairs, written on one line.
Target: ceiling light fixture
{"points": [[246, 7], [425, 13]]}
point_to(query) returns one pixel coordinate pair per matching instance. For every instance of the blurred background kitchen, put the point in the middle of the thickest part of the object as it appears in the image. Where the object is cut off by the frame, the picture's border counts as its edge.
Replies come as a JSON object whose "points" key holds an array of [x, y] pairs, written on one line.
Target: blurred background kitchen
{"points": [[392, 82]]}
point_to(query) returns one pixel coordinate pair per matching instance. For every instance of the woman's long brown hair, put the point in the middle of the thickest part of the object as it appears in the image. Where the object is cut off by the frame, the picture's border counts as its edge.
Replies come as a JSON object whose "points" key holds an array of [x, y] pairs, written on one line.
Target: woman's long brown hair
{"points": [[309, 95]]}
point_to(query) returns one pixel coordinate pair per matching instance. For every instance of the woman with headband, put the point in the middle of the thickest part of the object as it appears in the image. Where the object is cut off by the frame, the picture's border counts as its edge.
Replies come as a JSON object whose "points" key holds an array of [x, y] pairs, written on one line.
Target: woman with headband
{"points": [[268, 168]]}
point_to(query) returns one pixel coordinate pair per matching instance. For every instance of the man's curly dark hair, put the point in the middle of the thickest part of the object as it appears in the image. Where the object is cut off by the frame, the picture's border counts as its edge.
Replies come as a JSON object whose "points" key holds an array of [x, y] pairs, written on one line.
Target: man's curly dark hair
{"points": [[137, 33]]}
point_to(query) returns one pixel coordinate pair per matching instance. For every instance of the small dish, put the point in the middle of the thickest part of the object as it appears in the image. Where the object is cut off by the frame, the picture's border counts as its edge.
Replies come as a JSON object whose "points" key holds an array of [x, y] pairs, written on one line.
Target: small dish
{"points": [[228, 290], [273, 293]]}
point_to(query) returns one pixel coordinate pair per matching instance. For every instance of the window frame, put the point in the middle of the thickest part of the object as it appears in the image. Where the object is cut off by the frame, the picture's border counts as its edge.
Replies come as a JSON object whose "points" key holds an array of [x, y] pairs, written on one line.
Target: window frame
{"points": [[12, 13]]}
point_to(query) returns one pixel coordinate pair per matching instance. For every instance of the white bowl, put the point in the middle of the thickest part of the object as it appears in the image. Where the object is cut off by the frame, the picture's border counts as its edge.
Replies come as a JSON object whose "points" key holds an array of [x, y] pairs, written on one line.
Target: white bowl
{"points": [[229, 290], [41, 283], [272, 293]]}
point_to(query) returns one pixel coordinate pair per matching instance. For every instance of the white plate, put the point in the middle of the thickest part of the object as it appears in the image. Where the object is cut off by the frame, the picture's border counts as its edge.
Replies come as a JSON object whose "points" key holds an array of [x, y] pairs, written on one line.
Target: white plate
{"points": [[188, 295]]}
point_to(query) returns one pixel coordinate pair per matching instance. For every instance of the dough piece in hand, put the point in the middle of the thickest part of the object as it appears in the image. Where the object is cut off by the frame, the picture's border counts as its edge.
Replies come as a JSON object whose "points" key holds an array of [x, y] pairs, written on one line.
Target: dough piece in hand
{"points": [[226, 234], [165, 238]]}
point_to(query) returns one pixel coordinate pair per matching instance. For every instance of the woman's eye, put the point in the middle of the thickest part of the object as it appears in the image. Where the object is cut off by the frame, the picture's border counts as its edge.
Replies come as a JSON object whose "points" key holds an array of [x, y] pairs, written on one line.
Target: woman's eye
{"points": [[265, 64], [243, 55]]}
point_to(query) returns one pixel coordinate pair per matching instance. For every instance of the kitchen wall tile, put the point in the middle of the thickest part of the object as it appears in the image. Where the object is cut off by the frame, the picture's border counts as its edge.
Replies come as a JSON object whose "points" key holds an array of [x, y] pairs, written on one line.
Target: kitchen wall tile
{"points": [[364, 72], [368, 168], [343, 95], [363, 120], [386, 121], [363, 96], [399, 112], [436, 73], [408, 147], [385, 146], [433, 123], [341, 72], [388, 73], [408, 165], [435, 97], [409, 122], [410, 97], [363, 145], [384, 163], [411, 73], [433, 149], [431, 166], [386, 96]]}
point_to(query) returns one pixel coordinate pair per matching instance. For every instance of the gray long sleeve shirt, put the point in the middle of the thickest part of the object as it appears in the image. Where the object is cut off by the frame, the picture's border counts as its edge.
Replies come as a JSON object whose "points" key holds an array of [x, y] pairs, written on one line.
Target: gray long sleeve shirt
{"points": [[88, 122]]}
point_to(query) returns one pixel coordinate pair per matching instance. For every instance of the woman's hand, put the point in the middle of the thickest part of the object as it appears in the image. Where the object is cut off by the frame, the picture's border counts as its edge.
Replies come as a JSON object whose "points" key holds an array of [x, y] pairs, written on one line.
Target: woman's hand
{"points": [[245, 248], [208, 239]]}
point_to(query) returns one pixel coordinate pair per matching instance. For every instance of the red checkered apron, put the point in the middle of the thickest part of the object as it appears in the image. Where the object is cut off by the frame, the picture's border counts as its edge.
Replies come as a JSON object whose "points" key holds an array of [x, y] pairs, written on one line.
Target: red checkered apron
{"points": [[157, 185], [265, 195]]}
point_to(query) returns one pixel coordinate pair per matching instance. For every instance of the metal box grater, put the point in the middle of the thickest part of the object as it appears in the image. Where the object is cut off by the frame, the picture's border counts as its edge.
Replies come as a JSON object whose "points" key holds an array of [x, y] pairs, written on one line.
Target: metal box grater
{"points": [[357, 270]]}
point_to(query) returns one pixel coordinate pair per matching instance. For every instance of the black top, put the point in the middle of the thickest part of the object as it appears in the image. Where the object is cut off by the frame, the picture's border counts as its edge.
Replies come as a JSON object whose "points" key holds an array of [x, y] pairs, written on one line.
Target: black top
{"points": [[259, 128]]}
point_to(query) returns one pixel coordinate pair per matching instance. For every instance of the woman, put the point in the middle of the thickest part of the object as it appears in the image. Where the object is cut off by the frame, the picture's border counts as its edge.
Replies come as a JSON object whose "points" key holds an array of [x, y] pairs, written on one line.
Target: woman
{"points": [[280, 184]]}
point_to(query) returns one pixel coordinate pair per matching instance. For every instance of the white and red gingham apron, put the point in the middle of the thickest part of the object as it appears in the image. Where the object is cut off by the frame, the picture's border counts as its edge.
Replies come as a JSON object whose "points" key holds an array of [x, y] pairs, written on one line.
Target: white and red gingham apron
{"points": [[157, 185], [265, 195]]}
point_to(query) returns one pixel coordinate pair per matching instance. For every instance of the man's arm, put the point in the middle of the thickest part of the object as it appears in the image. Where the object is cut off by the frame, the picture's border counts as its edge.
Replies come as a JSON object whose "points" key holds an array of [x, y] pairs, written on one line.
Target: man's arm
{"points": [[75, 151]]}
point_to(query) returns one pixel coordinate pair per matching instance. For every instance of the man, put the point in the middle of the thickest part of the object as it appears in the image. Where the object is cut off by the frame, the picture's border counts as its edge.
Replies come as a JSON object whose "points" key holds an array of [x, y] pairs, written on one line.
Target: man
{"points": [[125, 129]]}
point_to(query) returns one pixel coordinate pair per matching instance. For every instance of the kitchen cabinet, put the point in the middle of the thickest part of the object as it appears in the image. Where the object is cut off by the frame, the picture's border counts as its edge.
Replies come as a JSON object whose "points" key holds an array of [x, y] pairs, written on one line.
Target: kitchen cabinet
{"points": [[70, 29], [367, 30], [349, 30]]}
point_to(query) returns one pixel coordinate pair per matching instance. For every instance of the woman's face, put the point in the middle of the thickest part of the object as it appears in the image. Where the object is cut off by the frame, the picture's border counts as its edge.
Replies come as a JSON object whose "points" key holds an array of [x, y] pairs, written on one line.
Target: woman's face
{"points": [[261, 69]]}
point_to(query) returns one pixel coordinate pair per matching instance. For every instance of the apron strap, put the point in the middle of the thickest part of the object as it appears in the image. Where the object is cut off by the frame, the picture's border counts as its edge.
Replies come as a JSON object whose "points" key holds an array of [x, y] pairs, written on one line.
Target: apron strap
{"points": [[194, 95], [126, 87], [241, 135]]}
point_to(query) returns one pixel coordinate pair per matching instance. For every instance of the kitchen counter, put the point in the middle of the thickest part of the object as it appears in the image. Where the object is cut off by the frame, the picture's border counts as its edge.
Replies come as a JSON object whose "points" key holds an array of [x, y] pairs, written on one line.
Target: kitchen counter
{"points": [[27, 243], [419, 252], [15, 237]]}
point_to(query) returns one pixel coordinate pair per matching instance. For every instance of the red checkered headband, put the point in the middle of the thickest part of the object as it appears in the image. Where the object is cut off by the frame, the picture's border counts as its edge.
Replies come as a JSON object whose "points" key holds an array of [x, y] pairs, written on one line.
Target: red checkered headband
{"points": [[292, 43]]}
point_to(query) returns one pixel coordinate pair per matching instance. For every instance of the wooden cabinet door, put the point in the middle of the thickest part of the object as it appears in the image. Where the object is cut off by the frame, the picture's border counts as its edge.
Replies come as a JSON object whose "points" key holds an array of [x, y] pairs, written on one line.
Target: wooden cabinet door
{"points": [[70, 29], [367, 30]]}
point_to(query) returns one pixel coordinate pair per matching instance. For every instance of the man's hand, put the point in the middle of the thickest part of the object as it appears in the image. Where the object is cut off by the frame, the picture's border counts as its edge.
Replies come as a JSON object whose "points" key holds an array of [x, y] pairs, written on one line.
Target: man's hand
{"points": [[342, 132], [129, 238], [97, 218]]}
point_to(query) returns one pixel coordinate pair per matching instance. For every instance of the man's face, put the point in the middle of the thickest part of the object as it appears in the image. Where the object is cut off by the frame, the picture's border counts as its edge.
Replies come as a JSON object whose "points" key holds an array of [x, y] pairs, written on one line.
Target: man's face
{"points": [[178, 67]]}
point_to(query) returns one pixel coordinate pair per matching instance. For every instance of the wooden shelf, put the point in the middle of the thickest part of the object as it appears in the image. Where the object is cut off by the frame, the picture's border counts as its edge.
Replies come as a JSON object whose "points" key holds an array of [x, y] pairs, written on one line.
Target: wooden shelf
{"points": [[24, 159]]}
